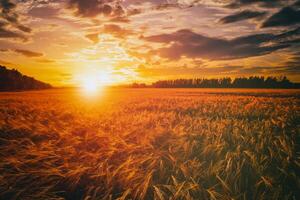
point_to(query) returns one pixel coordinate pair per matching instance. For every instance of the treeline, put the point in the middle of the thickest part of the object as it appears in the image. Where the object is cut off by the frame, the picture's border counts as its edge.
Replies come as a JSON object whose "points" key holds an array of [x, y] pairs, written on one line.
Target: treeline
{"points": [[243, 82], [13, 80]]}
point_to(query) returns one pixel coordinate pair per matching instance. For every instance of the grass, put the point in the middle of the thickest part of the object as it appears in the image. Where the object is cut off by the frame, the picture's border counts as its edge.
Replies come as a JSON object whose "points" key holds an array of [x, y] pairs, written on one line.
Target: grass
{"points": [[163, 144]]}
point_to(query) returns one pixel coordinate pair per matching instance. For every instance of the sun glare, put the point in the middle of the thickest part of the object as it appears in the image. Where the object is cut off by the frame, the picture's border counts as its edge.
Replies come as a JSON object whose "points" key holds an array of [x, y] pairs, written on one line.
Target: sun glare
{"points": [[93, 83], [90, 86]]}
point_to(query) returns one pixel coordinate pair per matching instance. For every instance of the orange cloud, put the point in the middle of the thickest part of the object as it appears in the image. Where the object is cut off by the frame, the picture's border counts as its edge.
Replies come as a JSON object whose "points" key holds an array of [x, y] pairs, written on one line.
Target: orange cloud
{"points": [[28, 53]]}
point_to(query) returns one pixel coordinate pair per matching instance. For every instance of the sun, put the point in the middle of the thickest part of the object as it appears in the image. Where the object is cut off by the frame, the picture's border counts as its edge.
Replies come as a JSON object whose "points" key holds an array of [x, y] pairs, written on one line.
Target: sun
{"points": [[93, 83], [90, 86]]}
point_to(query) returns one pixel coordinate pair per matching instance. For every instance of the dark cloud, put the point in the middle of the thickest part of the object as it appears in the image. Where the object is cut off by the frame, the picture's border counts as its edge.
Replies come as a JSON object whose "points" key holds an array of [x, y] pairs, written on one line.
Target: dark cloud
{"points": [[8, 13], [189, 44], [288, 34], [243, 15], [139, 2], [255, 39], [294, 61], [116, 30], [6, 6], [5, 33], [287, 70], [289, 37], [118, 10], [43, 12], [286, 37], [292, 66], [292, 42], [123, 17], [164, 6], [263, 3], [296, 4], [134, 11], [24, 28], [285, 17], [292, 70], [92, 8], [28, 53]]}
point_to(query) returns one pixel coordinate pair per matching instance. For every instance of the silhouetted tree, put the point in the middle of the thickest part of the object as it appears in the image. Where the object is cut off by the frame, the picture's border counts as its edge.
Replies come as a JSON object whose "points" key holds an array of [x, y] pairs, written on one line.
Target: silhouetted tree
{"points": [[241, 82], [13, 80]]}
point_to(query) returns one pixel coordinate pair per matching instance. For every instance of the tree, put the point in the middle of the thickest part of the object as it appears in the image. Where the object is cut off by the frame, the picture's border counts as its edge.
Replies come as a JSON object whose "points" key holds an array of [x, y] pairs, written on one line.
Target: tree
{"points": [[13, 80]]}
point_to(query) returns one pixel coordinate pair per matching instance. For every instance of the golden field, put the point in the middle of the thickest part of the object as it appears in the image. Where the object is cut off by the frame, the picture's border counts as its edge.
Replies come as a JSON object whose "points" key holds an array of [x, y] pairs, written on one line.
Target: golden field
{"points": [[163, 144]]}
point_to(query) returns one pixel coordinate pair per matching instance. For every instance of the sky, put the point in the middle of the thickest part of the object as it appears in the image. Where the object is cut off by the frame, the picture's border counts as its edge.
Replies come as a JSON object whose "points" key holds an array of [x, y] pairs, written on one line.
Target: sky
{"points": [[63, 42]]}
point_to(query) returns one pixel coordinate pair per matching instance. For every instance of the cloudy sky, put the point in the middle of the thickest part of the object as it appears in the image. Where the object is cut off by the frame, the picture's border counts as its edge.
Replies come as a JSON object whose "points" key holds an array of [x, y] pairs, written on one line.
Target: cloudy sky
{"points": [[120, 41]]}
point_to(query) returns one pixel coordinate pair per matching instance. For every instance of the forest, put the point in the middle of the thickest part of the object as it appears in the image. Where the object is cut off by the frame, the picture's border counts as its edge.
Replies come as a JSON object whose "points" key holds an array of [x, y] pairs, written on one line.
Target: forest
{"points": [[242, 82], [13, 80]]}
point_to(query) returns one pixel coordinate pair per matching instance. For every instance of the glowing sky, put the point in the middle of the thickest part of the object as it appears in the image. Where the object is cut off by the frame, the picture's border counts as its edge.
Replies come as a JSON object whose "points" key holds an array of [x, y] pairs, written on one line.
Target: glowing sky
{"points": [[63, 41]]}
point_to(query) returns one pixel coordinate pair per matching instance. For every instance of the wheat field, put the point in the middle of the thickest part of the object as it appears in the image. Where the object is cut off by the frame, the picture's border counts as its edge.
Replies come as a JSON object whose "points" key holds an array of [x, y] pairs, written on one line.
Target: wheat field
{"points": [[163, 144]]}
